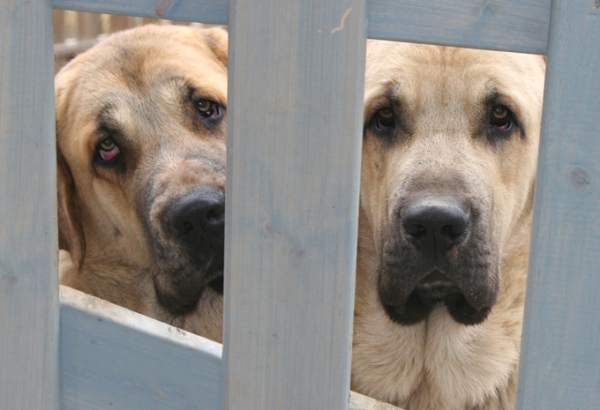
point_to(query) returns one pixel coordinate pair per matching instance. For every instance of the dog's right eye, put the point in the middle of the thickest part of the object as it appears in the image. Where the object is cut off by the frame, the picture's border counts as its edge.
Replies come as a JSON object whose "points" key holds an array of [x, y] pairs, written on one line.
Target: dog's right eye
{"points": [[108, 150], [384, 118], [208, 108]]}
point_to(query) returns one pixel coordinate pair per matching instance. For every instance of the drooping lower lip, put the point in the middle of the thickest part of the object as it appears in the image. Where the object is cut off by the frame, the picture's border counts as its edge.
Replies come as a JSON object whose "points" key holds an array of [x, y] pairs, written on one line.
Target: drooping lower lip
{"points": [[217, 284], [426, 297], [175, 307]]}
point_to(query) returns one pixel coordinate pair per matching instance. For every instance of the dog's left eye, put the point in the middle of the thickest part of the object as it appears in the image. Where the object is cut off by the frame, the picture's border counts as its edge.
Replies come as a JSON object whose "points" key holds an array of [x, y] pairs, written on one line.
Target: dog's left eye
{"points": [[208, 108], [501, 117], [108, 150]]}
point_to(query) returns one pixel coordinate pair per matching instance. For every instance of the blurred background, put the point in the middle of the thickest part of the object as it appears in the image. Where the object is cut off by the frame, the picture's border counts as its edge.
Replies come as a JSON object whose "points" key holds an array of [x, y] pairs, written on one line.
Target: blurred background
{"points": [[75, 32]]}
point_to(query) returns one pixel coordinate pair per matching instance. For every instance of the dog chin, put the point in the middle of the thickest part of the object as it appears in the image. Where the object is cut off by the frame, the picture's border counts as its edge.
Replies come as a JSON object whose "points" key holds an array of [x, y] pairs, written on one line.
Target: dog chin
{"points": [[183, 298], [423, 300]]}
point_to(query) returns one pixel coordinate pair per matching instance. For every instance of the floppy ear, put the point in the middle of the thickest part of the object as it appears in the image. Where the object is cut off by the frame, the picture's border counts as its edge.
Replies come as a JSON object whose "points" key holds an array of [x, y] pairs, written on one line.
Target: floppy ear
{"points": [[216, 40], [70, 231]]}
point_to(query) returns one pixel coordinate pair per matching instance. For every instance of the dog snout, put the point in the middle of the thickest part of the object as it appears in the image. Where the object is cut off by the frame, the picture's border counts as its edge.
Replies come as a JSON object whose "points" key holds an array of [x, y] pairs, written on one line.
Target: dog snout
{"points": [[435, 224], [198, 219]]}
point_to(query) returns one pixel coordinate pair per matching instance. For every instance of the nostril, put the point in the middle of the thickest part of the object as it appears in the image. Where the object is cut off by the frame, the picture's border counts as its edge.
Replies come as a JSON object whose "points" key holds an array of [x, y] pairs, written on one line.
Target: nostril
{"points": [[418, 231], [216, 212], [213, 215], [186, 228], [454, 231]]}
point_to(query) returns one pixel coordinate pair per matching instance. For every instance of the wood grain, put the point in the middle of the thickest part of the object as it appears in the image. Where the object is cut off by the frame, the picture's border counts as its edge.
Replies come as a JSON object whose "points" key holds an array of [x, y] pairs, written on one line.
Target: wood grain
{"points": [[205, 11], [28, 232], [296, 77], [561, 341], [113, 358], [512, 25], [495, 24]]}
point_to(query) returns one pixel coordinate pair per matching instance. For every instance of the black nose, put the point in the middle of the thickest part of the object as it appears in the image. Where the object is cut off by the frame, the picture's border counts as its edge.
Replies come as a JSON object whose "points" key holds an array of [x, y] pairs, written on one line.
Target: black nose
{"points": [[435, 223], [198, 219]]}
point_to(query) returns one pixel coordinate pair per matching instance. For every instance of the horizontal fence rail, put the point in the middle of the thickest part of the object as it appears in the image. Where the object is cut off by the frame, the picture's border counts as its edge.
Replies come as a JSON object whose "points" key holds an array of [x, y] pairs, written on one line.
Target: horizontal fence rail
{"points": [[205, 11], [114, 358], [512, 25]]}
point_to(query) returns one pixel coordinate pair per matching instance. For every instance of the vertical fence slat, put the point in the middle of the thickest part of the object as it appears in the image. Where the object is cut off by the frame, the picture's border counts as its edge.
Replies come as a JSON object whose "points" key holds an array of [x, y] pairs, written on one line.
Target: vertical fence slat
{"points": [[28, 233], [295, 113], [560, 358]]}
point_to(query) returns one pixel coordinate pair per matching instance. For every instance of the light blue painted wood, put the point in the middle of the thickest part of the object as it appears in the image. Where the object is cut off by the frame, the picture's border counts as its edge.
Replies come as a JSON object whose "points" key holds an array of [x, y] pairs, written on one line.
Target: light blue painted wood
{"points": [[296, 74], [113, 358], [560, 359], [512, 25], [204, 11], [28, 232], [495, 24]]}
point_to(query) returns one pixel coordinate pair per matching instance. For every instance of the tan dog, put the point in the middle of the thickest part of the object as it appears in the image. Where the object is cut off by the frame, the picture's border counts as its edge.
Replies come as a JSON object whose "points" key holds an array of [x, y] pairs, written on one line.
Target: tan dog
{"points": [[449, 157], [141, 173]]}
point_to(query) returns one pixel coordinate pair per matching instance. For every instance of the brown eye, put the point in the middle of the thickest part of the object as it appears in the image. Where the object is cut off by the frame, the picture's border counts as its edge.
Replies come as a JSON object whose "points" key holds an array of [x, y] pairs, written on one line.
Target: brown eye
{"points": [[384, 118], [501, 117], [500, 112], [208, 108], [205, 106]]}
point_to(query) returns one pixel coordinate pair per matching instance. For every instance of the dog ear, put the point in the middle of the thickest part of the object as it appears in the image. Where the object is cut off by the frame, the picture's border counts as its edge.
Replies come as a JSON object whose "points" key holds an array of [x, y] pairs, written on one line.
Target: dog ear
{"points": [[216, 40], [70, 230]]}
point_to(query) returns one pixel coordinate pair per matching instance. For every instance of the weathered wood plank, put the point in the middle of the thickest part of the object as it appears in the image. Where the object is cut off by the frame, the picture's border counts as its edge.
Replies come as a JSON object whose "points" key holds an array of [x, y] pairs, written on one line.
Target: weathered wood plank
{"points": [[513, 25], [561, 342], [495, 24], [205, 11], [296, 77], [114, 358], [28, 239]]}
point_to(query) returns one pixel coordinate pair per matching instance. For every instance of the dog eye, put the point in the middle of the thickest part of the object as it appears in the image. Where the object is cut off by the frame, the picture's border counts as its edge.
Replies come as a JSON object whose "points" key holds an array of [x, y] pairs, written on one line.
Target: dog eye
{"points": [[384, 118], [108, 150], [501, 117], [208, 108]]}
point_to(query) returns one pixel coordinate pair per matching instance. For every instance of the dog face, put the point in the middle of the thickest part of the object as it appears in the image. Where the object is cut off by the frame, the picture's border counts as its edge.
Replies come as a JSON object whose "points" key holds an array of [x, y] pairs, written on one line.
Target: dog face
{"points": [[448, 170], [141, 123], [450, 147]]}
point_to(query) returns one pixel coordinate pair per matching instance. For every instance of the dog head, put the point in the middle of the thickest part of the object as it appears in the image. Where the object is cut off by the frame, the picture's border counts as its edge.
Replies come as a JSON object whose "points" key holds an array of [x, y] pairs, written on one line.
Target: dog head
{"points": [[140, 126], [449, 156]]}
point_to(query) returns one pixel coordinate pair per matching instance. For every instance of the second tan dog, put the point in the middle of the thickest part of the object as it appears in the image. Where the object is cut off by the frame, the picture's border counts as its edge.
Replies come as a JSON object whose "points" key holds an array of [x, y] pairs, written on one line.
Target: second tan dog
{"points": [[448, 170], [141, 173]]}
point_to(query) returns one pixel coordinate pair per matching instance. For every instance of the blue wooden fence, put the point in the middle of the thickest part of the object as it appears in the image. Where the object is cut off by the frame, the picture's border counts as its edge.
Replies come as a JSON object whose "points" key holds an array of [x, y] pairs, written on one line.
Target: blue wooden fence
{"points": [[292, 202]]}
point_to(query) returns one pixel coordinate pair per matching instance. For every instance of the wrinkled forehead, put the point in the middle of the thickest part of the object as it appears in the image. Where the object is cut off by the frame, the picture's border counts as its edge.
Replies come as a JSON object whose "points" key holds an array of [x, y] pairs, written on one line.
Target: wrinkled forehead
{"points": [[142, 68], [419, 71], [105, 85]]}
